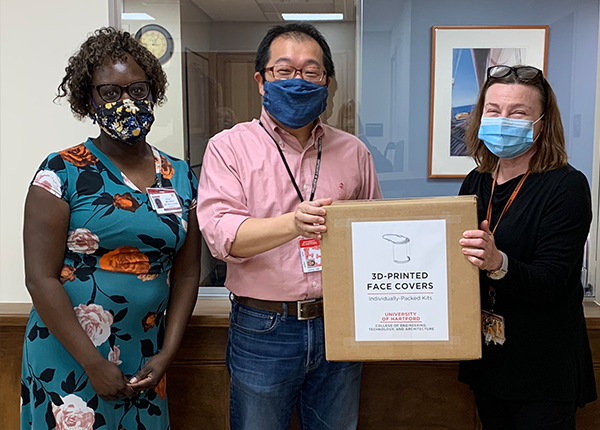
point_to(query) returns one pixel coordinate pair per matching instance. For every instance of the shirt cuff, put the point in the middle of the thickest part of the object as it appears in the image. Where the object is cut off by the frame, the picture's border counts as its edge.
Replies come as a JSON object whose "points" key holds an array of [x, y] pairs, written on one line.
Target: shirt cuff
{"points": [[229, 225], [504, 266]]}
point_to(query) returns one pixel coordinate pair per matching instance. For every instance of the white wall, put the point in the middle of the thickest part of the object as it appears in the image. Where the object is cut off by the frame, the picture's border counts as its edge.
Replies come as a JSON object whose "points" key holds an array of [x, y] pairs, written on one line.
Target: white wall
{"points": [[36, 39]]}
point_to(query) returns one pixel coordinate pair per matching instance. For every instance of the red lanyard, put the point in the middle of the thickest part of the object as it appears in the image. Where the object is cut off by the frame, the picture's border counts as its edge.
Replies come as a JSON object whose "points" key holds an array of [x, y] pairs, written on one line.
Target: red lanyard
{"points": [[508, 203]]}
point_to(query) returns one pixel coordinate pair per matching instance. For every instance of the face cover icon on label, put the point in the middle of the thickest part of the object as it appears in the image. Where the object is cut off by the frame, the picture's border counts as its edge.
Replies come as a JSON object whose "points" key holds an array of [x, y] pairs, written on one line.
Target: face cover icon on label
{"points": [[400, 247]]}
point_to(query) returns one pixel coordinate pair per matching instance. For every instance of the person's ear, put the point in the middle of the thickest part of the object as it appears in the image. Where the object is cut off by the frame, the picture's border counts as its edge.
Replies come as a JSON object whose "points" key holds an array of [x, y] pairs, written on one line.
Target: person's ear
{"points": [[261, 84], [92, 109]]}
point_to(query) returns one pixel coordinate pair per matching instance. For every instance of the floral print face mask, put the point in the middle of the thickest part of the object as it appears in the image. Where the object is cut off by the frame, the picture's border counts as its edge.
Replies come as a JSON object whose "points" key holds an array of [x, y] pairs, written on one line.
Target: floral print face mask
{"points": [[126, 120]]}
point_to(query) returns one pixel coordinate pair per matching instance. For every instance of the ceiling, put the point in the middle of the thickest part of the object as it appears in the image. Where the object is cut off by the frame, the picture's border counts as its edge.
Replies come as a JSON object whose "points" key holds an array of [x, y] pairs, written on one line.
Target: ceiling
{"points": [[271, 10]]}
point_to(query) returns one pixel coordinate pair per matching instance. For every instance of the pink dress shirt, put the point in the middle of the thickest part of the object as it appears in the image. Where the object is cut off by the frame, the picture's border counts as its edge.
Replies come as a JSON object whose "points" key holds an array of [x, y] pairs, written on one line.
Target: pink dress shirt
{"points": [[243, 176]]}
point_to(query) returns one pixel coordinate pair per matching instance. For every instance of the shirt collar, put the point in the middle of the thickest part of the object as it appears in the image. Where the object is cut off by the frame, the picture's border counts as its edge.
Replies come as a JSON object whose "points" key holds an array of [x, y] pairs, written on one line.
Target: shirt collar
{"points": [[271, 126]]}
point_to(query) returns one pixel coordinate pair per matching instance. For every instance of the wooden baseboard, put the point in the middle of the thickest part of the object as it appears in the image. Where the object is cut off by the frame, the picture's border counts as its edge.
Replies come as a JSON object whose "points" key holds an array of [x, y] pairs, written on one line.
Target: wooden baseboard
{"points": [[394, 395]]}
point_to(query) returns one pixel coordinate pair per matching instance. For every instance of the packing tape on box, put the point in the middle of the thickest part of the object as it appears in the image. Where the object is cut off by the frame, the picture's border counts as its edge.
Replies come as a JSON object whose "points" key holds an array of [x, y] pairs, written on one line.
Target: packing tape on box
{"points": [[455, 341], [347, 222], [450, 344], [348, 341], [462, 341]]}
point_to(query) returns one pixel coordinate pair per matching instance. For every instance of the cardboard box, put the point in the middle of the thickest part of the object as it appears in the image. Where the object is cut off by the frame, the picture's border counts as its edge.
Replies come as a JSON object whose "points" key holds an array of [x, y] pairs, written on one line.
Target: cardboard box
{"points": [[396, 285]]}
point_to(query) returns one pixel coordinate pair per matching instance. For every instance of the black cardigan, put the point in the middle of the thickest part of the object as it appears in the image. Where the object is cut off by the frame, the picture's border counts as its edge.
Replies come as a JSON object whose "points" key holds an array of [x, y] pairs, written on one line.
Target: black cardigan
{"points": [[546, 355]]}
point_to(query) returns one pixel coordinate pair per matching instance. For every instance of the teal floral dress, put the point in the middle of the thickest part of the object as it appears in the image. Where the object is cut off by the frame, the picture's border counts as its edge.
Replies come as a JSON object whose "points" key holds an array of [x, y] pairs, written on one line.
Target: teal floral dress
{"points": [[116, 272]]}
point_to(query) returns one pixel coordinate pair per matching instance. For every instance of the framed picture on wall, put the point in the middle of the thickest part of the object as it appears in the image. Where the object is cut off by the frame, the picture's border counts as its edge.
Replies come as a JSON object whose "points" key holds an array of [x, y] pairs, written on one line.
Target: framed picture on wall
{"points": [[460, 57]]}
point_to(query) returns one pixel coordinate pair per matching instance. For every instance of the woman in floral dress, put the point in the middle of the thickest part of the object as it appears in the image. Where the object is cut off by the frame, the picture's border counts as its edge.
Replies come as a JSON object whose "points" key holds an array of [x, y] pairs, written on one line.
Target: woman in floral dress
{"points": [[113, 276]]}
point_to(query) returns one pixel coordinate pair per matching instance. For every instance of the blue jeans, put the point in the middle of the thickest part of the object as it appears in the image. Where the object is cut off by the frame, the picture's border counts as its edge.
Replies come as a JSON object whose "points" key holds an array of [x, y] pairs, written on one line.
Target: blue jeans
{"points": [[277, 362]]}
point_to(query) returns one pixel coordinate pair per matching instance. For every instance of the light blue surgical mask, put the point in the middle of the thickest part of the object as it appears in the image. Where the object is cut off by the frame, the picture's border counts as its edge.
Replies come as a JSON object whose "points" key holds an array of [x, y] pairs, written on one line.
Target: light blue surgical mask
{"points": [[507, 137], [294, 102]]}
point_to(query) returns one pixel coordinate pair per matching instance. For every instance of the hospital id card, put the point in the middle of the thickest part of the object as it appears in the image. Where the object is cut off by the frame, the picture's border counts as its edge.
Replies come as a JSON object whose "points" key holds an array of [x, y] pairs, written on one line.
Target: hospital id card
{"points": [[164, 200], [310, 255]]}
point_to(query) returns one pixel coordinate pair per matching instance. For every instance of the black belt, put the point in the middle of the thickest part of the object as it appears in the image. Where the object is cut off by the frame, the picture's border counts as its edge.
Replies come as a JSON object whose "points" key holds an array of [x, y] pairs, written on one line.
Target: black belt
{"points": [[304, 309]]}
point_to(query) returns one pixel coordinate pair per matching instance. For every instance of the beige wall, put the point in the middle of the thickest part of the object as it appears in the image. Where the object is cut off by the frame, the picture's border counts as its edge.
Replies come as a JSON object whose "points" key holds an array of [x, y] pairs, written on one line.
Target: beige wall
{"points": [[37, 37]]}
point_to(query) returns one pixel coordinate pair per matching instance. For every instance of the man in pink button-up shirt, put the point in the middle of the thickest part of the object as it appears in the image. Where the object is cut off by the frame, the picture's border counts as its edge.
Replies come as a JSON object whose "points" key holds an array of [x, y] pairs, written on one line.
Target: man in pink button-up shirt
{"points": [[254, 205]]}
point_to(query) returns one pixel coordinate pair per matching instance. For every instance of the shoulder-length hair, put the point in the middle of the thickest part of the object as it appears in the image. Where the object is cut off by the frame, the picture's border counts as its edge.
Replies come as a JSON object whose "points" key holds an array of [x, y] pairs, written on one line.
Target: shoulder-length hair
{"points": [[550, 152]]}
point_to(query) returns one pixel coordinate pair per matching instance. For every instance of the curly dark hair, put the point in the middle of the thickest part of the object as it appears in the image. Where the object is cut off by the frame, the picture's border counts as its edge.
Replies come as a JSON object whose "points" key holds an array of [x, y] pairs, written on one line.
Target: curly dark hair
{"points": [[106, 45]]}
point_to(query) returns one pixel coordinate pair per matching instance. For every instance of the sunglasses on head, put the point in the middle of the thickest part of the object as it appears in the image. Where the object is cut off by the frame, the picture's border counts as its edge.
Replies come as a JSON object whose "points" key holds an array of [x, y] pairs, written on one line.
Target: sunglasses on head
{"points": [[523, 72]]}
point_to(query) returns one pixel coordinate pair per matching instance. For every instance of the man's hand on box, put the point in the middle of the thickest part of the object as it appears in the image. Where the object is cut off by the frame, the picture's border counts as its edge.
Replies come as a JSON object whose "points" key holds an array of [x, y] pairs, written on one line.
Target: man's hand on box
{"points": [[309, 218]]}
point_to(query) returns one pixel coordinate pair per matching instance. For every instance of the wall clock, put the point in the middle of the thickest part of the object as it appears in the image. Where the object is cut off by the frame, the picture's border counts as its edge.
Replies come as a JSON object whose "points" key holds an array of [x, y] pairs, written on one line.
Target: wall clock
{"points": [[157, 40]]}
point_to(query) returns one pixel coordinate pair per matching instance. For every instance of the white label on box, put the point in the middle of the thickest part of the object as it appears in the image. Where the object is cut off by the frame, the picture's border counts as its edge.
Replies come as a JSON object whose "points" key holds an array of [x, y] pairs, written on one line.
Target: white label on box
{"points": [[400, 280]]}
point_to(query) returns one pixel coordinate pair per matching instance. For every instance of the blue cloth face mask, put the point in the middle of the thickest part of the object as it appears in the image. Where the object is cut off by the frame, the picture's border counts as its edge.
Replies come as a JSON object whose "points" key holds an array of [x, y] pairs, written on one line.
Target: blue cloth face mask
{"points": [[507, 137], [294, 102]]}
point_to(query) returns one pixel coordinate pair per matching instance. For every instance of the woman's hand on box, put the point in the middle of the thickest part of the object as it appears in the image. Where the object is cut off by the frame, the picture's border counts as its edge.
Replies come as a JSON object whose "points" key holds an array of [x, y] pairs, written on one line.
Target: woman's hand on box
{"points": [[480, 249]]}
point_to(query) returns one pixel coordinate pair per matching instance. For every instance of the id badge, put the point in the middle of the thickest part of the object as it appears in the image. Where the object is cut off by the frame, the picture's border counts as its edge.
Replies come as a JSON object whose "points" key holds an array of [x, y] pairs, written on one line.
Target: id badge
{"points": [[492, 327], [310, 255], [164, 200]]}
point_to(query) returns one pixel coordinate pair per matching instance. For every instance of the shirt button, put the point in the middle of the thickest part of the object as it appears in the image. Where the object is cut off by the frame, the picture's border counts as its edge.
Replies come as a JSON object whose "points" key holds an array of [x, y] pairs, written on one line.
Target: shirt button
{"points": [[305, 187], [314, 284]]}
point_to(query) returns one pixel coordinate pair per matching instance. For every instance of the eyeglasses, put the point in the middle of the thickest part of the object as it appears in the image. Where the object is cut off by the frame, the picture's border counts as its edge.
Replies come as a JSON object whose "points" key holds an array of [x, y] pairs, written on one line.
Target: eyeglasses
{"points": [[523, 72], [111, 93], [285, 71]]}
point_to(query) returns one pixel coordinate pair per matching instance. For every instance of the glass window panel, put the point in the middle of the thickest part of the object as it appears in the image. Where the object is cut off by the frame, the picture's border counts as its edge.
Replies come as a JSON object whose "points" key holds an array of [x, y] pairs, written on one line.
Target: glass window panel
{"points": [[211, 74], [395, 82], [381, 91]]}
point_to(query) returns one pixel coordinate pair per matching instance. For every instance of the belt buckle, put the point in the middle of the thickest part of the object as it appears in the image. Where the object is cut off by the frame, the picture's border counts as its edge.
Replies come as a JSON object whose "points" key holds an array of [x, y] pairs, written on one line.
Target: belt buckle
{"points": [[299, 315]]}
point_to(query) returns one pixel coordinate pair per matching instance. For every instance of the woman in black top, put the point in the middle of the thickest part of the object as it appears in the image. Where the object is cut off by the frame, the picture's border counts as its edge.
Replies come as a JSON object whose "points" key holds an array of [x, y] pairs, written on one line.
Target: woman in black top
{"points": [[535, 213]]}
